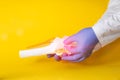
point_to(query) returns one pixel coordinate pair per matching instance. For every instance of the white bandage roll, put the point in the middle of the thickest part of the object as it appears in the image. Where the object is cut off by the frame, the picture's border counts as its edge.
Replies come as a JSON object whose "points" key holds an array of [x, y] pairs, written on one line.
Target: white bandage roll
{"points": [[50, 49], [36, 52]]}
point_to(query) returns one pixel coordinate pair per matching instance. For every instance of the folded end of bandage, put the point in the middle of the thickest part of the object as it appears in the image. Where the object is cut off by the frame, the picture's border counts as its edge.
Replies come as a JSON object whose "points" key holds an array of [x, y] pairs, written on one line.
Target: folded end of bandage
{"points": [[27, 53], [23, 54], [32, 52]]}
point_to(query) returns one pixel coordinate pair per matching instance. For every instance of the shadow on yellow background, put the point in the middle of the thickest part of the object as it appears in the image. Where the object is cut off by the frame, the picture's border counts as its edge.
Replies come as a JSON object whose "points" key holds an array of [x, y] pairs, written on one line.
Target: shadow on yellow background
{"points": [[27, 22]]}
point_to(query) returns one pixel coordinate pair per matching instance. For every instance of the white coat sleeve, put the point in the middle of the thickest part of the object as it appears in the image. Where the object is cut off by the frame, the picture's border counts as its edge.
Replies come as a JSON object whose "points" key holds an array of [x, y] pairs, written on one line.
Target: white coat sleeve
{"points": [[107, 29]]}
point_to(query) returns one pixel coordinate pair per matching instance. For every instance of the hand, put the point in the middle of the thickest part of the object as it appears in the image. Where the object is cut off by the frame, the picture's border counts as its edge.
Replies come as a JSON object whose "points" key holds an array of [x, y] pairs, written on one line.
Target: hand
{"points": [[86, 41]]}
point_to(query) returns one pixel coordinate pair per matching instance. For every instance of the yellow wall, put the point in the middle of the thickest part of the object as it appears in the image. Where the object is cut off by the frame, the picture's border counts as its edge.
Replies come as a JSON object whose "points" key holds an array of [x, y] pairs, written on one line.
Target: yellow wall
{"points": [[27, 22]]}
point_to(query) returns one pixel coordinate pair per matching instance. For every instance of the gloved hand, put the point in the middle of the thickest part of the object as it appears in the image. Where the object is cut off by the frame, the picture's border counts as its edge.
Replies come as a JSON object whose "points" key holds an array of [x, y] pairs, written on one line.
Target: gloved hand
{"points": [[86, 41]]}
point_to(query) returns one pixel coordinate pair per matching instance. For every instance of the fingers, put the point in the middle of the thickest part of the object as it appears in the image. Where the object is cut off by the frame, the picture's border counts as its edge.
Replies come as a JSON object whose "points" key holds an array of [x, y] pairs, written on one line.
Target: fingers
{"points": [[76, 57], [56, 57], [50, 55], [79, 58], [73, 57]]}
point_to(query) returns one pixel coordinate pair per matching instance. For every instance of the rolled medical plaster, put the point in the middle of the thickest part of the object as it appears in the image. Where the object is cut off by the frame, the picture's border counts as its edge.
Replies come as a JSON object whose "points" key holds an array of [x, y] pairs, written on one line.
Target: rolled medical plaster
{"points": [[56, 44]]}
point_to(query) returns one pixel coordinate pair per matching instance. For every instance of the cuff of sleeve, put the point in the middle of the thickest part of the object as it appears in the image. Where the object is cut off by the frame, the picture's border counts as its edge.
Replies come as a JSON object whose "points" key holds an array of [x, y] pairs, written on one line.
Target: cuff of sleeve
{"points": [[99, 31]]}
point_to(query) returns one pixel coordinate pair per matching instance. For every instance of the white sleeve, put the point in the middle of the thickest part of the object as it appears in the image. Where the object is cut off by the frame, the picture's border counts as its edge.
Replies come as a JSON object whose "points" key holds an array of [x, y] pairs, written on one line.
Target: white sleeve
{"points": [[107, 29]]}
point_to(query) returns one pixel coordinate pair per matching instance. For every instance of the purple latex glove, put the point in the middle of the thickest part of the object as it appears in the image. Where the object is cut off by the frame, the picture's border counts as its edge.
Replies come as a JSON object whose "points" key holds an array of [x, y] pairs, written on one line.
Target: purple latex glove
{"points": [[86, 41]]}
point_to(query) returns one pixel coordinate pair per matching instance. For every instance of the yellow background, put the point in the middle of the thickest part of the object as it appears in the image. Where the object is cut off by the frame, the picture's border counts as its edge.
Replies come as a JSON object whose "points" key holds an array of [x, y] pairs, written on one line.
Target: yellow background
{"points": [[28, 22]]}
